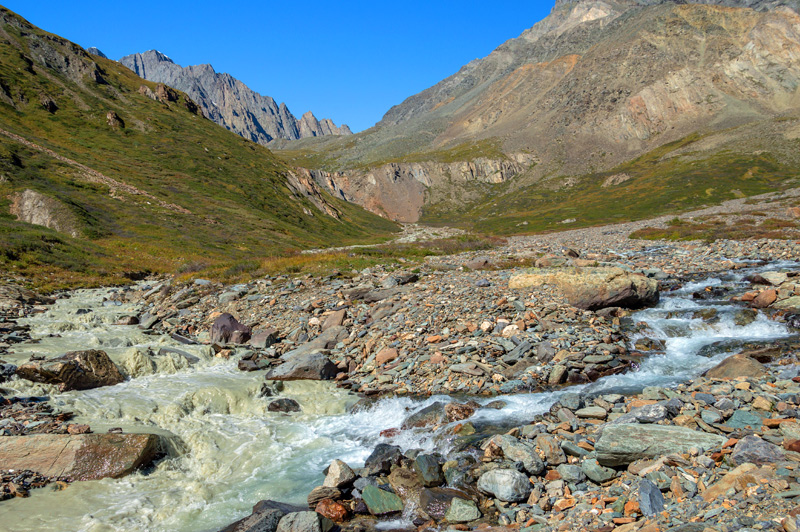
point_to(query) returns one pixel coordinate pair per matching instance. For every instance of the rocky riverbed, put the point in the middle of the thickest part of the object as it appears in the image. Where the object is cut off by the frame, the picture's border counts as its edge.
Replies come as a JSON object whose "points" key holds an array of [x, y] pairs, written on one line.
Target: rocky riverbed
{"points": [[553, 383]]}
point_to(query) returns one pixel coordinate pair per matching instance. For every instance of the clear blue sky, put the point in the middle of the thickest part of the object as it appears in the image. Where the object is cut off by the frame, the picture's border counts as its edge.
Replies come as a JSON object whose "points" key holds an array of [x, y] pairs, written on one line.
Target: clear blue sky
{"points": [[348, 61]]}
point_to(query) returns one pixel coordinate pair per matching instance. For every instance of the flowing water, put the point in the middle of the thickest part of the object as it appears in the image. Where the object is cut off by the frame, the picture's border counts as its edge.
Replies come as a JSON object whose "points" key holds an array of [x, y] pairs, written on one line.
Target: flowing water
{"points": [[226, 451]]}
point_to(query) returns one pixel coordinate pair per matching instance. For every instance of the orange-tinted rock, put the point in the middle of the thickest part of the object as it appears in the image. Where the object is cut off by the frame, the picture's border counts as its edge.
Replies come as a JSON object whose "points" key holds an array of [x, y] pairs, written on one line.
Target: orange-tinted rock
{"points": [[333, 510], [385, 355], [765, 298], [458, 412]]}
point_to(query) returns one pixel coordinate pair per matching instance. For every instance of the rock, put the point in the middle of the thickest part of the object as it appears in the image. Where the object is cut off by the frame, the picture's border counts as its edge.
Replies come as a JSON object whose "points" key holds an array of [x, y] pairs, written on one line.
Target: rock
{"points": [[518, 451], [76, 370], [552, 451], [382, 459], [326, 340], [264, 339], [573, 401], [651, 502], [458, 412], [380, 502], [304, 522], [226, 329], [436, 501], [508, 485], [480, 263], [557, 375], [727, 482], [650, 413], [742, 419], [385, 355], [765, 298], [462, 511], [429, 470], [626, 443], [571, 473], [78, 457], [597, 473], [321, 492], [7, 371], [265, 518], [311, 366], [332, 510], [754, 450], [595, 288], [339, 475], [335, 319], [433, 414], [736, 366], [284, 405], [592, 412]]}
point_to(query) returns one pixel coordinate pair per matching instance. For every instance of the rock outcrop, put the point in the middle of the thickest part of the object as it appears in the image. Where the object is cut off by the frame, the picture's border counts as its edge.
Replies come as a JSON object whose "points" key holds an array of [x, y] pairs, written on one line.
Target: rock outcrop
{"points": [[78, 457], [229, 102], [36, 208]]}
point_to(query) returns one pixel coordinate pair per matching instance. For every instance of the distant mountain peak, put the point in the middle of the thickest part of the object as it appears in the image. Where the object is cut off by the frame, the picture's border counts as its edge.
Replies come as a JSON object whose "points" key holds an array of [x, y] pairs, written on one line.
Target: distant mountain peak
{"points": [[94, 51], [229, 102]]}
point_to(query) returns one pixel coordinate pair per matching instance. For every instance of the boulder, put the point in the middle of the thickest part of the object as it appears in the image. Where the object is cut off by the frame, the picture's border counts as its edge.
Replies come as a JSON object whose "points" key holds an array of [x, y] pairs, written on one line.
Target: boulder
{"points": [[380, 502], [626, 443], [284, 405], [339, 475], [436, 501], [462, 511], [433, 414], [264, 338], [326, 340], [765, 298], [334, 319], [76, 370], [333, 510], [518, 451], [595, 288], [382, 459], [754, 450], [597, 473], [736, 366], [78, 457], [429, 470], [508, 485], [310, 366], [226, 329], [320, 493], [651, 502], [304, 522], [265, 518]]}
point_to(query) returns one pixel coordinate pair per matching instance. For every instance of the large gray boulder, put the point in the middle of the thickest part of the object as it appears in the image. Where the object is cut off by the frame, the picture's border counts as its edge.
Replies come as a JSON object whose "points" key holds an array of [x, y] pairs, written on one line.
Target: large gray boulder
{"points": [[304, 522], [594, 288], [508, 485], [310, 366], [623, 444], [265, 518]]}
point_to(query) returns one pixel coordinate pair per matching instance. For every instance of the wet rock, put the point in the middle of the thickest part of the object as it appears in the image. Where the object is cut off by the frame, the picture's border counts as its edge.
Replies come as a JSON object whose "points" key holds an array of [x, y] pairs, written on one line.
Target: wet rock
{"points": [[651, 502], [265, 518], [430, 415], [304, 522], [380, 502], [76, 370], [508, 485], [284, 405], [458, 412], [382, 459], [765, 298], [226, 329], [7, 371], [311, 366], [736, 366], [752, 449], [462, 511], [78, 457], [335, 511], [339, 475], [436, 501], [429, 470], [626, 443], [518, 451]]}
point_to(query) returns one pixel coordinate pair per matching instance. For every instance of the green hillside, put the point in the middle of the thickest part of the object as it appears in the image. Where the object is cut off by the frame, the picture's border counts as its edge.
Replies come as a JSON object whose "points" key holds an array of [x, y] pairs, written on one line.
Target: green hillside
{"points": [[147, 182]]}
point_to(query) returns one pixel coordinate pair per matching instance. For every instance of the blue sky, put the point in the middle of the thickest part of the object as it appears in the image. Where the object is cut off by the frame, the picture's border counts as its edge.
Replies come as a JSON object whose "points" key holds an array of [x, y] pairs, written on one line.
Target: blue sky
{"points": [[348, 61]]}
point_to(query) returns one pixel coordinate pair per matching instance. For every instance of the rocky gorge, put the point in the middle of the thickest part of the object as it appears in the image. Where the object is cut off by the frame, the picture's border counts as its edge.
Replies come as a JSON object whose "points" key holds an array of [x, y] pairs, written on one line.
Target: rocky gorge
{"points": [[560, 382]]}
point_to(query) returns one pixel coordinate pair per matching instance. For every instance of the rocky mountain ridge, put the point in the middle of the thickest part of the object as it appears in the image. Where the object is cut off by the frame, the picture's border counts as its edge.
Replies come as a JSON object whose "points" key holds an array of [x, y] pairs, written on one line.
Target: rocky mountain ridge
{"points": [[599, 85], [229, 102]]}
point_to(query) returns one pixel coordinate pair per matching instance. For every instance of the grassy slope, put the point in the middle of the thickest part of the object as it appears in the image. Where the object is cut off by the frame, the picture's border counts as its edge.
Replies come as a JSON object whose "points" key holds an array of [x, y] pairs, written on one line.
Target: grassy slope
{"points": [[658, 184], [236, 192]]}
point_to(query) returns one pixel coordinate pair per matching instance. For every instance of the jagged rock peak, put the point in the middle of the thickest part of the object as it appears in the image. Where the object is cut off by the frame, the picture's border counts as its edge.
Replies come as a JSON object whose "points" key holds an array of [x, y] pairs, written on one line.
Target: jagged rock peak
{"points": [[95, 51], [229, 102]]}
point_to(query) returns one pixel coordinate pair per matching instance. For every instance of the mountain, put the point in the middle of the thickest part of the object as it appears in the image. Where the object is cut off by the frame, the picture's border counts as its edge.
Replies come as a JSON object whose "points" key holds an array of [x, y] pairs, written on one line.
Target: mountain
{"points": [[105, 175], [649, 90], [229, 102]]}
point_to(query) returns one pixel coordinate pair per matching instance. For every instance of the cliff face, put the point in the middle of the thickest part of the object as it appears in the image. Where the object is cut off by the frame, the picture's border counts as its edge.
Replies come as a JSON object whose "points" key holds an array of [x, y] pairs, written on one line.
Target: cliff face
{"points": [[229, 102]]}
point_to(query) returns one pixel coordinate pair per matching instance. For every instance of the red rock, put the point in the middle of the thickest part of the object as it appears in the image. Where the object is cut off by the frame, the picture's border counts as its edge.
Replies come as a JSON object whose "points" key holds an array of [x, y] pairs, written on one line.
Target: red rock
{"points": [[435, 339], [78, 429], [632, 508], [552, 475], [793, 445], [390, 433], [333, 510]]}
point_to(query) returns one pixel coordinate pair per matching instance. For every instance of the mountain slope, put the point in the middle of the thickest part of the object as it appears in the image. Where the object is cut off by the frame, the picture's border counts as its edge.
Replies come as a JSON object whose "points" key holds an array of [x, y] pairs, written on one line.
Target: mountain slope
{"points": [[135, 170], [593, 87], [229, 102]]}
